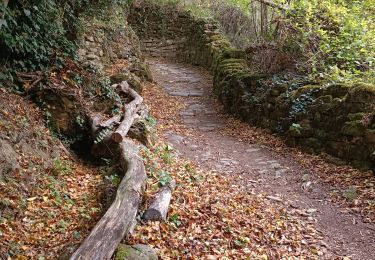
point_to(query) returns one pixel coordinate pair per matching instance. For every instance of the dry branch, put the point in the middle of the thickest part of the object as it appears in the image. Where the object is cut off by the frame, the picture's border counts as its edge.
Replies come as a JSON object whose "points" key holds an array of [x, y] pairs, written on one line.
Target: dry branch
{"points": [[113, 120], [119, 219], [130, 112], [159, 208]]}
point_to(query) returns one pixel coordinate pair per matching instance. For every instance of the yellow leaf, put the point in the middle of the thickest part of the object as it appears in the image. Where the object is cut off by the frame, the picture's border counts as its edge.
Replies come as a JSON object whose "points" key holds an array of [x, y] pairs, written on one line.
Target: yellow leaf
{"points": [[31, 199]]}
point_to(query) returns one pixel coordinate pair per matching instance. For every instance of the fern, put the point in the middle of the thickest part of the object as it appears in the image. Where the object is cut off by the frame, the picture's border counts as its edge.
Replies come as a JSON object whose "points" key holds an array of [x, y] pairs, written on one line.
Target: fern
{"points": [[102, 134]]}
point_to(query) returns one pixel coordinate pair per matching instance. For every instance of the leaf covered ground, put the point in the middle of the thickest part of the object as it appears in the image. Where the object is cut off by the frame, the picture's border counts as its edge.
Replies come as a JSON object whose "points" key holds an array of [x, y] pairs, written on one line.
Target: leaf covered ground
{"points": [[217, 216], [214, 215], [50, 203]]}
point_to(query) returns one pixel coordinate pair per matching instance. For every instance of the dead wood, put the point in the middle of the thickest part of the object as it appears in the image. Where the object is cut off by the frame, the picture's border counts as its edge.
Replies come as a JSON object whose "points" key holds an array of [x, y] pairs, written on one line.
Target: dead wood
{"points": [[120, 218]]}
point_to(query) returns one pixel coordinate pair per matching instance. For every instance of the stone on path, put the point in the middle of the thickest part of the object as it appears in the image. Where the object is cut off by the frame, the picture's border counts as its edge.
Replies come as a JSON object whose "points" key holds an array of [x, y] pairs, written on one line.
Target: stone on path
{"points": [[135, 252]]}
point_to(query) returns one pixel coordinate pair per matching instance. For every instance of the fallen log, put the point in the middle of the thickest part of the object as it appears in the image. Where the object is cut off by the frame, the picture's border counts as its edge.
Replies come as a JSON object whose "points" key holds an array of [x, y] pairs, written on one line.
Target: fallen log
{"points": [[130, 113], [119, 219], [113, 120], [159, 208]]}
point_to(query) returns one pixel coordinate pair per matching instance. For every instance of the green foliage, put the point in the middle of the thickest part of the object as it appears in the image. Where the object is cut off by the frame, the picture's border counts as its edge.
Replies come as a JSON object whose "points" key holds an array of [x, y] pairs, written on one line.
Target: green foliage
{"points": [[61, 167], [332, 40], [167, 154], [33, 34], [102, 134], [295, 127], [164, 178], [175, 219], [108, 91], [36, 34], [338, 37]]}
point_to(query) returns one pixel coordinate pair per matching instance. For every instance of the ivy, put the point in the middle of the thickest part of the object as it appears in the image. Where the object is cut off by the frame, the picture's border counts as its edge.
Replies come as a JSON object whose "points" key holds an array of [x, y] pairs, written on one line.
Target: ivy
{"points": [[102, 134], [37, 34]]}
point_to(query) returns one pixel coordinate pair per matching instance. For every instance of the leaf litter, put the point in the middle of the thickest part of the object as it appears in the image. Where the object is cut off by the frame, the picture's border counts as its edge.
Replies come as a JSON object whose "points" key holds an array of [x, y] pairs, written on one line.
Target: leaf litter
{"points": [[51, 202], [211, 215]]}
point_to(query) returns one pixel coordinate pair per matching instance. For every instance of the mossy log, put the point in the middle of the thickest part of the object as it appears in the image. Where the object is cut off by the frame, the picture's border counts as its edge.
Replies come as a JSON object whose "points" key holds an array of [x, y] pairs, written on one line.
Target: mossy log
{"points": [[120, 218]]}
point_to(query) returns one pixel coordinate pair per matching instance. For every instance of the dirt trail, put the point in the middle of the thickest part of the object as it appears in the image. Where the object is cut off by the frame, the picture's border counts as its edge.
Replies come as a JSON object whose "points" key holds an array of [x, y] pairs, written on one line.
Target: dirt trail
{"points": [[264, 170]]}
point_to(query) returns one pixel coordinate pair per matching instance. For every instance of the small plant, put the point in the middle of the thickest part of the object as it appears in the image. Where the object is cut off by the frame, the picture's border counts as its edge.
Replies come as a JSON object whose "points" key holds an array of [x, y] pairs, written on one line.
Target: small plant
{"points": [[296, 128], [114, 179], [175, 219], [350, 194], [61, 167], [151, 120], [62, 226], [188, 167], [108, 91], [167, 155], [164, 178], [80, 121]]}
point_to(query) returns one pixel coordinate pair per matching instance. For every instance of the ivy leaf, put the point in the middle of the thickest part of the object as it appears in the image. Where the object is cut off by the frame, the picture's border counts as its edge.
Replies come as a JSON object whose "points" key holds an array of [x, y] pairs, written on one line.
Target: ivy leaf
{"points": [[27, 12], [3, 22]]}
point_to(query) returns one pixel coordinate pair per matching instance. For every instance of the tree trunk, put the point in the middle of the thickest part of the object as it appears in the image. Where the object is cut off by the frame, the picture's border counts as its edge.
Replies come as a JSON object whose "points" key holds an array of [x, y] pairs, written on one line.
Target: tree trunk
{"points": [[120, 218], [159, 208]]}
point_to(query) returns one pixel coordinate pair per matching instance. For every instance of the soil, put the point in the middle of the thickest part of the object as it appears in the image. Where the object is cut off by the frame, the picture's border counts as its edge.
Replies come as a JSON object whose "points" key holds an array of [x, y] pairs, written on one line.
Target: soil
{"points": [[263, 168]]}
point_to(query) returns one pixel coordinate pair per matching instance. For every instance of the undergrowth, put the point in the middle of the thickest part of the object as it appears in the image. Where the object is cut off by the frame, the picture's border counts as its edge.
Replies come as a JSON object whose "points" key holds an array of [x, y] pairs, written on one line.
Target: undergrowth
{"points": [[39, 34]]}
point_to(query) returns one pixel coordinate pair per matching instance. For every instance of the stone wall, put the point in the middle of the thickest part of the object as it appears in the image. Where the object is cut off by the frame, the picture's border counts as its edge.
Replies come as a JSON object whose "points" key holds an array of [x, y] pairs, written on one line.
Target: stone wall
{"points": [[336, 119], [103, 44]]}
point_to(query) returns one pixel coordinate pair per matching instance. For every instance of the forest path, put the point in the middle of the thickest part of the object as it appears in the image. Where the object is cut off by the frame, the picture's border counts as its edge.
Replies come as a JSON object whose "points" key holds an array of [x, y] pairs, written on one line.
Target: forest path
{"points": [[265, 170]]}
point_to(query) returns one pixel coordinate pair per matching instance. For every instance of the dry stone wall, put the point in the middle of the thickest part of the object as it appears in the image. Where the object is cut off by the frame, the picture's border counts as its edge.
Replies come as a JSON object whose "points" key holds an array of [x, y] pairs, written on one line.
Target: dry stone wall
{"points": [[334, 119], [101, 45]]}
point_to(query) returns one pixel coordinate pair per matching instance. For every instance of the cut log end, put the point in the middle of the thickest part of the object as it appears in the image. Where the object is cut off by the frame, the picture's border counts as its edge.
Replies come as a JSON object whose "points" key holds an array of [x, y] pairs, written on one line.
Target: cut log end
{"points": [[117, 137], [153, 215]]}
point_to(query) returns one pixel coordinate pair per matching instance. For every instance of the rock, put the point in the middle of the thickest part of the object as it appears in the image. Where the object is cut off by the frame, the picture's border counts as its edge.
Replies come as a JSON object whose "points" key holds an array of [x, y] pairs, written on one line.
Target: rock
{"points": [[81, 53], [310, 211], [133, 80], [92, 56], [144, 72], [372, 157], [274, 92], [370, 136], [361, 165], [332, 159], [8, 158], [356, 116], [324, 99], [313, 143], [142, 131], [358, 152], [353, 128], [90, 38], [135, 252], [337, 90]]}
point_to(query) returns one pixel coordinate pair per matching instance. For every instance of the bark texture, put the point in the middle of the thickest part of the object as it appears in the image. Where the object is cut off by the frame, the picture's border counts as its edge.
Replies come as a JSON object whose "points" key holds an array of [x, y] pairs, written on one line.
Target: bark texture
{"points": [[159, 208], [120, 218]]}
